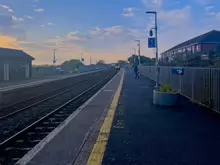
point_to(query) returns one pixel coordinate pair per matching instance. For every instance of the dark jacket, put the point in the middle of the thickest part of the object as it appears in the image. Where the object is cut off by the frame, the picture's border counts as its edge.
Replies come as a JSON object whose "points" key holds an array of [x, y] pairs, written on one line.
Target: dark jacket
{"points": [[135, 68]]}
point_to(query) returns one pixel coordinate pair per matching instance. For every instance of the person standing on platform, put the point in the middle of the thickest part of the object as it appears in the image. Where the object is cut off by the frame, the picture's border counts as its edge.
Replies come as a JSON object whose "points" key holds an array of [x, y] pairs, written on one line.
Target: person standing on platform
{"points": [[136, 71]]}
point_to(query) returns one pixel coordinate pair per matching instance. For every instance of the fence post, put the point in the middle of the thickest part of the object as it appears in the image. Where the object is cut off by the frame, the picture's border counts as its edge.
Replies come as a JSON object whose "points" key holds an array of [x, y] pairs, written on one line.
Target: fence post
{"points": [[193, 83], [1, 100], [180, 78]]}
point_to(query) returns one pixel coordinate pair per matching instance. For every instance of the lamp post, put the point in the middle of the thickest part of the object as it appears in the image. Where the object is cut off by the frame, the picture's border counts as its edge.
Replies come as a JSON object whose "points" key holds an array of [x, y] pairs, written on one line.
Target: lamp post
{"points": [[139, 51], [156, 62], [82, 58], [54, 59]]}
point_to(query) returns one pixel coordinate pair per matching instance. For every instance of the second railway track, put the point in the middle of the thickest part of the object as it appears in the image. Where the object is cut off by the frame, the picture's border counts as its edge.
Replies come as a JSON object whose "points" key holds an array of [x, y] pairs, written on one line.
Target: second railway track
{"points": [[32, 101]]}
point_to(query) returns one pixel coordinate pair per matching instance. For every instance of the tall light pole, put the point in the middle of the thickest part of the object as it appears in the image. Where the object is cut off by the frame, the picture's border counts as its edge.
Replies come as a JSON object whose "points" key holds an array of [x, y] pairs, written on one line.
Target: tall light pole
{"points": [[54, 59], [156, 62], [139, 51], [82, 58], [54, 56]]}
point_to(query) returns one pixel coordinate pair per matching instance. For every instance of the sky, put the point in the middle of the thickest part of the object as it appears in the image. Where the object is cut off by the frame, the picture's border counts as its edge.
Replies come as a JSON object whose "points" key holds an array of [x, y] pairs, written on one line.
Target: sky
{"points": [[102, 29]]}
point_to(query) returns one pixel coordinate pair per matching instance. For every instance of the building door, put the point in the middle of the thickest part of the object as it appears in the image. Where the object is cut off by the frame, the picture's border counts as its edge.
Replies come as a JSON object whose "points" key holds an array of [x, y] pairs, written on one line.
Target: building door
{"points": [[27, 71], [6, 72]]}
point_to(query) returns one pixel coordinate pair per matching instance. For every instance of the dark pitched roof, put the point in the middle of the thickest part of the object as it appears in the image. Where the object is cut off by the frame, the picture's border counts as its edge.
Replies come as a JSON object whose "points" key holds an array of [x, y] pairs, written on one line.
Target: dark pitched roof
{"points": [[210, 37], [6, 52]]}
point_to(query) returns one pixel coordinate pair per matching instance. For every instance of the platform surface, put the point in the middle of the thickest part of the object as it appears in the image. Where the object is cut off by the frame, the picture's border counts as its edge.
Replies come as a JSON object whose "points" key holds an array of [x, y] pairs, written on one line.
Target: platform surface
{"points": [[143, 134], [67, 145]]}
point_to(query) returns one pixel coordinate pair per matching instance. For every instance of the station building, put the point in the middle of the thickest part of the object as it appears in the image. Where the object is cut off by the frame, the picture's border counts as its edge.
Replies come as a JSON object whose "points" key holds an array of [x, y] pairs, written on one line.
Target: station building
{"points": [[15, 65]]}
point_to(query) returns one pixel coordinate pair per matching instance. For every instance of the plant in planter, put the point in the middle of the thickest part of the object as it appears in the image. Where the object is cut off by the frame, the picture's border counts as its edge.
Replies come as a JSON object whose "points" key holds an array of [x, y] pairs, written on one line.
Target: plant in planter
{"points": [[166, 96]]}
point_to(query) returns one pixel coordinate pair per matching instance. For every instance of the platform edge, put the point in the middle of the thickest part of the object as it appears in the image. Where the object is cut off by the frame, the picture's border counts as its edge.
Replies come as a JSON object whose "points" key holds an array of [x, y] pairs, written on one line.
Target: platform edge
{"points": [[99, 147]]}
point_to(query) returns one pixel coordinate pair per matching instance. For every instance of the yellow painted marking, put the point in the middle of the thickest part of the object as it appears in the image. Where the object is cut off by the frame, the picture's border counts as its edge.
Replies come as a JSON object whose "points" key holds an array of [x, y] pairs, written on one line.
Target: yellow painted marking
{"points": [[119, 124], [99, 148], [156, 63]]}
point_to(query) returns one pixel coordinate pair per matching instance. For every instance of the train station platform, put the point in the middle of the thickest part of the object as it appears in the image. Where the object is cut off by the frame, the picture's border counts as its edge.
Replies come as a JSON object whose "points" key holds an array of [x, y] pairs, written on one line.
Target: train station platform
{"points": [[121, 126], [144, 134]]}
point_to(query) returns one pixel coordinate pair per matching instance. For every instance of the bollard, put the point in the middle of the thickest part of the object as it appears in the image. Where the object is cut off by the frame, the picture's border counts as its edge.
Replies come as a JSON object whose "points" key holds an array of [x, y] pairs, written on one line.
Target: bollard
{"points": [[1, 98]]}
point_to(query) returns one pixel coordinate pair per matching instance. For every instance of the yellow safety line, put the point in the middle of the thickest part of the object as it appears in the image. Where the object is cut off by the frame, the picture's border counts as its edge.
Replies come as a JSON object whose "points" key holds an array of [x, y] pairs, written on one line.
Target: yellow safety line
{"points": [[99, 148]]}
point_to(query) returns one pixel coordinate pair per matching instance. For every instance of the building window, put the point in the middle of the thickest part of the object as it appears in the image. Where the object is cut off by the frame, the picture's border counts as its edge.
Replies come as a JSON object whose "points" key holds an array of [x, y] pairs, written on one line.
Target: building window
{"points": [[198, 48], [180, 51], [189, 49], [193, 49]]}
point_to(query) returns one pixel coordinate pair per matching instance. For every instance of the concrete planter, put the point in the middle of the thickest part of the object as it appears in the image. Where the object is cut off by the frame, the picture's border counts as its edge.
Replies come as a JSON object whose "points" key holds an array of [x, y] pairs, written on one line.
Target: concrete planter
{"points": [[165, 98]]}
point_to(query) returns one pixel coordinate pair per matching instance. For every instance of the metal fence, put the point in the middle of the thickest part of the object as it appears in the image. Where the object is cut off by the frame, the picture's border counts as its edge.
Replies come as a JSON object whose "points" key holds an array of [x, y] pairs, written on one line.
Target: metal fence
{"points": [[199, 84]]}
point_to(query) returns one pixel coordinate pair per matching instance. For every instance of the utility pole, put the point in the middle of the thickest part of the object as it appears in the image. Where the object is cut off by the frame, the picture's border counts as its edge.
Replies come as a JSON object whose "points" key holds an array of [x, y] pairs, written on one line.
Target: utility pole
{"points": [[82, 59], [139, 51], [54, 59]]}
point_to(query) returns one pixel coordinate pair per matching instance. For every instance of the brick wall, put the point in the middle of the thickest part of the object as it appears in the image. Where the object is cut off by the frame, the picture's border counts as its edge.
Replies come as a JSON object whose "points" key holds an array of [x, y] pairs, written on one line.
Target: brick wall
{"points": [[208, 47]]}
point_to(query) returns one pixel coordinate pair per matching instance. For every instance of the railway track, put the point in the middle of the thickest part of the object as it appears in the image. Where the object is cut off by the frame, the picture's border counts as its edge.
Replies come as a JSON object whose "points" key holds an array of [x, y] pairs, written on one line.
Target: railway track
{"points": [[18, 120], [16, 146], [17, 107]]}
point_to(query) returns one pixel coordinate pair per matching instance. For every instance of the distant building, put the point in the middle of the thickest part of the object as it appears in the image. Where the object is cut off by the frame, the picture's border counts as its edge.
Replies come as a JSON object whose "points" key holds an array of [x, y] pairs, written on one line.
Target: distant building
{"points": [[201, 45], [14, 64]]}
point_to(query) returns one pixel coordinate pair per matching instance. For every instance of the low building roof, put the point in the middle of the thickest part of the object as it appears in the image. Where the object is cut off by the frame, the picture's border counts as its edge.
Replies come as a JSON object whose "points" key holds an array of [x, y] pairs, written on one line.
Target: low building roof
{"points": [[6, 52], [209, 37]]}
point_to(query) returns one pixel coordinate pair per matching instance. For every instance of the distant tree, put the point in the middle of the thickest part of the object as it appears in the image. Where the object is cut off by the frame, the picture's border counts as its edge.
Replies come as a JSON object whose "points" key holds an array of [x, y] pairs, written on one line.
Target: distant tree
{"points": [[143, 59], [101, 62], [122, 62], [72, 64]]}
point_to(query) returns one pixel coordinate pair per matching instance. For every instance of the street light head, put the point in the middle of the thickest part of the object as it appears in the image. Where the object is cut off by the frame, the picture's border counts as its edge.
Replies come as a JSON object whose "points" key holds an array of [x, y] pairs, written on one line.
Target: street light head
{"points": [[151, 12]]}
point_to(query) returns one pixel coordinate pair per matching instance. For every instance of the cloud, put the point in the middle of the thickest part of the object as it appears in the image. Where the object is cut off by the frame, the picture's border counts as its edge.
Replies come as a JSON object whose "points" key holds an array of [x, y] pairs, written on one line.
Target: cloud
{"points": [[208, 8], [29, 17], [73, 36], [17, 20], [176, 17], [39, 10], [8, 42], [153, 4], [95, 31], [5, 7], [8, 27], [10, 11], [16, 32], [114, 30], [215, 15], [50, 24], [128, 12]]}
